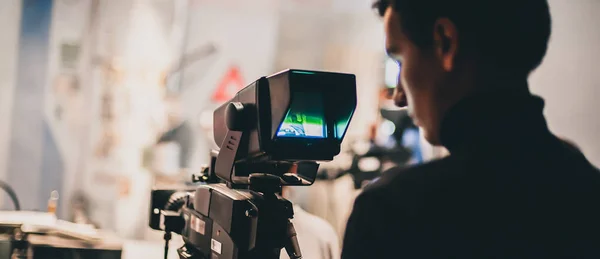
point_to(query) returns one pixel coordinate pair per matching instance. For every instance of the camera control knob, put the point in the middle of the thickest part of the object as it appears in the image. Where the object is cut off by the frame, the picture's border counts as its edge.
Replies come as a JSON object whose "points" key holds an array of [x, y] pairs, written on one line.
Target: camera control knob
{"points": [[203, 176], [235, 116]]}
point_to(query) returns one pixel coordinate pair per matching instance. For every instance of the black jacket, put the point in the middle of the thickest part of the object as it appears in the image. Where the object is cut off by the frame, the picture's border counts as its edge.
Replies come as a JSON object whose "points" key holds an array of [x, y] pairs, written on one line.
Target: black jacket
{"points": [[509, 189]]}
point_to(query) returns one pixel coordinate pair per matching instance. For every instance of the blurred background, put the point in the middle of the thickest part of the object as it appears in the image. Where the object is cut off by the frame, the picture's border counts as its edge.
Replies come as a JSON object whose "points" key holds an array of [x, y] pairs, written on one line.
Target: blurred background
{"points": [[100, 100]]}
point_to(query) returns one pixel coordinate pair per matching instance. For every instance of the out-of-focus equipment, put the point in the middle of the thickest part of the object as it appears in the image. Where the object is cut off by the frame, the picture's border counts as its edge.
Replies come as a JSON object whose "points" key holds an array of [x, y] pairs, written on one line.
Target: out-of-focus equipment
{"points": [[53, 202], [11, 193], [272, 133], [395, 142], [40, 235]]}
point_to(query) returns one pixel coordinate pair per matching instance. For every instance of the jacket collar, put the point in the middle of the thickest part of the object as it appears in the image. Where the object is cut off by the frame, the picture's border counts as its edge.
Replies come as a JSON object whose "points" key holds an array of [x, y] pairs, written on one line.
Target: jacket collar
{"points": [[495, 118]]}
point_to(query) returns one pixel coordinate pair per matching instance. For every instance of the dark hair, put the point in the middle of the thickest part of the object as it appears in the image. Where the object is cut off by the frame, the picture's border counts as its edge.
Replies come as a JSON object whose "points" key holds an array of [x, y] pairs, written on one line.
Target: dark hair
{"points": [[512, 35]]}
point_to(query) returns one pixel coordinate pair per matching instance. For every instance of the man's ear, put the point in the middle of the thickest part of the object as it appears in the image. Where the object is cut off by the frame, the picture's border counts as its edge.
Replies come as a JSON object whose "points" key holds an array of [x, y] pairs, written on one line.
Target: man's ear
{"points": [[445, 40]]}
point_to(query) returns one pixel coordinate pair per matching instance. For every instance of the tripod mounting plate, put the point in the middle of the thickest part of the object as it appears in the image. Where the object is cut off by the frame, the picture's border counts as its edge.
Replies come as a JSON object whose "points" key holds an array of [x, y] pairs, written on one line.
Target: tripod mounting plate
{"points": [[265, 183]]}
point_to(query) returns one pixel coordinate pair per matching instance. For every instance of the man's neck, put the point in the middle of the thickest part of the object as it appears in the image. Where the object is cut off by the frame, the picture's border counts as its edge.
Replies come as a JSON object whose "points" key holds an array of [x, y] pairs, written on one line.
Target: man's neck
{"points": [[498, 115], [484, 85], [495, 80]]}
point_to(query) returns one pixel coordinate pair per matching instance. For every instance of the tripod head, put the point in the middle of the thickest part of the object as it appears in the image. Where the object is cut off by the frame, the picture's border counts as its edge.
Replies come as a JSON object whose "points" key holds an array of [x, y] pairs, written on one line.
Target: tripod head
{"points": [[272, 133]]}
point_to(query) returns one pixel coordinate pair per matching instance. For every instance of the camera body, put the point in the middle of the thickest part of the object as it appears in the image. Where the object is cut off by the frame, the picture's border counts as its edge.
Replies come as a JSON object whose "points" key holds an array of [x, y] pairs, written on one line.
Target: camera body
{"points": [[234, 223], [271, 134]]}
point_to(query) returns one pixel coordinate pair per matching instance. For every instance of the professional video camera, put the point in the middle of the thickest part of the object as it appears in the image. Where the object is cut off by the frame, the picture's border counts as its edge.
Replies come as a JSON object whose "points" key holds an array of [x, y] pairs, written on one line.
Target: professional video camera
{"points": [[271, 134]]}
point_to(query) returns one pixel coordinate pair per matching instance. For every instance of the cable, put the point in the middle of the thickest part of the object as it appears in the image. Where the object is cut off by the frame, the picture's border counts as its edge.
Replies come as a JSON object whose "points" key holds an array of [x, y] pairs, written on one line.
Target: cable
{"points": [[13, 196], [167, 237], [175, 203]]}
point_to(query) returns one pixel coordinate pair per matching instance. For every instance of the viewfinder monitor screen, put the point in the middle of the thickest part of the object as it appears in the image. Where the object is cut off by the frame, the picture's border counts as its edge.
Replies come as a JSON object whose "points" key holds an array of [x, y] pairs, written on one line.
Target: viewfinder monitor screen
{"points": [[305, 118]]}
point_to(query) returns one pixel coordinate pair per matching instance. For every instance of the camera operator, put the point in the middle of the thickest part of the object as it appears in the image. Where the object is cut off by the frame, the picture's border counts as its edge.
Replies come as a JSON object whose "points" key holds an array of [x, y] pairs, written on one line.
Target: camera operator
{"points": [[510, 188]]}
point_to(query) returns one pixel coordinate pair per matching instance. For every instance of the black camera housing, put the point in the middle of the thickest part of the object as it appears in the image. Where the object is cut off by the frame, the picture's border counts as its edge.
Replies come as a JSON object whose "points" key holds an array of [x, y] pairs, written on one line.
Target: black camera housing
{"points": [[271, 134]]}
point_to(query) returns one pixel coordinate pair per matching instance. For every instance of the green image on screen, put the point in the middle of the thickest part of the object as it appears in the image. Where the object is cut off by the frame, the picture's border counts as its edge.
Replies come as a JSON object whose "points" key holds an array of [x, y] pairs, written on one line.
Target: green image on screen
{"points": [[305, 117]]}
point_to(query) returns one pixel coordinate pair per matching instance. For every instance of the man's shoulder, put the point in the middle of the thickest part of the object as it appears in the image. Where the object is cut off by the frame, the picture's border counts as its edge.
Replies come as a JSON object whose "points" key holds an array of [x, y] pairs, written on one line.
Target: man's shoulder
{"points": [[397, 201], [314, 227], [311, 220], [417, 178]]}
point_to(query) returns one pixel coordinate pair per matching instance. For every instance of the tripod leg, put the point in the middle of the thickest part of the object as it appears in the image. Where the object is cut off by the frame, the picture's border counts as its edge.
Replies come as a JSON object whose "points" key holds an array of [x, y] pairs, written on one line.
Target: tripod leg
{"points": [[292, 247]]}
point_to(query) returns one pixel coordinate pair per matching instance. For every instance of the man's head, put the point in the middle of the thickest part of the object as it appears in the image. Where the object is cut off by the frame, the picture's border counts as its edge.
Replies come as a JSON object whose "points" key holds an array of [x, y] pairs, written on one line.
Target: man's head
{"points": [[448, 49]]}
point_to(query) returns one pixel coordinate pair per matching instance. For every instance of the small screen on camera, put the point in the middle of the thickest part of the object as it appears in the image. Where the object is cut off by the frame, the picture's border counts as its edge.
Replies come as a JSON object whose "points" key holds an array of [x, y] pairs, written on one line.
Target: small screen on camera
{"points": [[305, 118]]}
